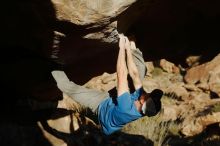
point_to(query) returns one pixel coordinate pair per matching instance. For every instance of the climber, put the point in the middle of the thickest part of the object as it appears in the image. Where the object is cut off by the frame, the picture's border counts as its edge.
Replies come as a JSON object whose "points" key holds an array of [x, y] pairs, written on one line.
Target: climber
{"points": [[114, 114]]}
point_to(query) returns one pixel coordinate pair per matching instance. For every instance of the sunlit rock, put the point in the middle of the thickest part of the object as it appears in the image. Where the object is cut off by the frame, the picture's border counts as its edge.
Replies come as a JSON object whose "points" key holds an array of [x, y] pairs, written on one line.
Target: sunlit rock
{"points": [[196, 126], [105, 82], [168, 66], [150, 68], [192, 60], [179, 91], [202, 72], [93, 14]]}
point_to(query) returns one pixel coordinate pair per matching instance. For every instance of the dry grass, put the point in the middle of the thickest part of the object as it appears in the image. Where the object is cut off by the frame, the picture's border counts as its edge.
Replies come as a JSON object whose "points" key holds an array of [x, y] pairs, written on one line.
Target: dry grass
{"points": [[216, 108], [153, 128], [157, 72]]}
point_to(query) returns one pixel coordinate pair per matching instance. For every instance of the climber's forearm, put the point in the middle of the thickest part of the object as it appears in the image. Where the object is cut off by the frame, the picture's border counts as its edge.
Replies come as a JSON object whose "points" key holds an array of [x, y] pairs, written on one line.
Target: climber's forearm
{"points": [[132, 68], [121, 69]]}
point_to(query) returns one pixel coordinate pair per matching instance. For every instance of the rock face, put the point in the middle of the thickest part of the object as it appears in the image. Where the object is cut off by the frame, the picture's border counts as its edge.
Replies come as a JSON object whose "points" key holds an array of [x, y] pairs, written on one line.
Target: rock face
{"points": [[44, 33], [85, 12], [187, 112], [40, 36], [209, 72], [97, 24], [188, 109], [80, 37]]}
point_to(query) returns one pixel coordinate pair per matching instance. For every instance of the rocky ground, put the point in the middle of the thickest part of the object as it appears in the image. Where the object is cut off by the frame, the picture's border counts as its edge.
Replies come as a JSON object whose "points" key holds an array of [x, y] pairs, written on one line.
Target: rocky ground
{"points": [[190, 113]]}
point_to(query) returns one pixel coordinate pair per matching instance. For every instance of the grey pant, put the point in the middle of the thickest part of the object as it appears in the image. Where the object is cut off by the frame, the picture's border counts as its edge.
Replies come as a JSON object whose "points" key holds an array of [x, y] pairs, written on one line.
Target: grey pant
{"points": [[89, 97]]}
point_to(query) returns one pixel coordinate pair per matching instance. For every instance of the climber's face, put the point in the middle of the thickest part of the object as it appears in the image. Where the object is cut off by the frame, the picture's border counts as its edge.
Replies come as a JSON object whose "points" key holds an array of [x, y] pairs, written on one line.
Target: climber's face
{"points": [[139, 103]]}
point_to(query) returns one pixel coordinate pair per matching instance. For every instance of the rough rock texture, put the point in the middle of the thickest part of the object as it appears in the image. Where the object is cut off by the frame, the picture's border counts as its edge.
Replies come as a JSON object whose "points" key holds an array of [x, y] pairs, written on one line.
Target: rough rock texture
{"points": [[209, 72], [72, 35], [96, 23], [189, 116], [80, 37], [202, 72], [105, 82], [76, 35], [168, 66], [188, 111]]}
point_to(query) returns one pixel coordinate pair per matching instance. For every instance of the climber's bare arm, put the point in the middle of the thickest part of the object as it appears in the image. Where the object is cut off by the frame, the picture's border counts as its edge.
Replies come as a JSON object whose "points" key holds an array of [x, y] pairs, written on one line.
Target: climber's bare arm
{"points": [[132, 68], [122, 72]]}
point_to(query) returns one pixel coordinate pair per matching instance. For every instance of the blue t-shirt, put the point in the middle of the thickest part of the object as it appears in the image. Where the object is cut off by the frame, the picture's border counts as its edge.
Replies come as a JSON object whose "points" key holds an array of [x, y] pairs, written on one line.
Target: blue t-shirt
{"points": [[113, 117]]}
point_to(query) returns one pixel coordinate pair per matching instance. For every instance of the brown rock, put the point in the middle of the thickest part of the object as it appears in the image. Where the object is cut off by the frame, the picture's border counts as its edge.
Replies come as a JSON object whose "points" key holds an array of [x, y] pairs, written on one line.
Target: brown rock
{"points": [[93, 14], [171, 112], [202, 72], [105, 82], [89, 12], [59, 128], [191, 87], [150, 68], [178, 90], [193, 60], [200, 99], [168, 66], [203, 86], [215, 87], [214, 81], [150, 84], [199, 124]]}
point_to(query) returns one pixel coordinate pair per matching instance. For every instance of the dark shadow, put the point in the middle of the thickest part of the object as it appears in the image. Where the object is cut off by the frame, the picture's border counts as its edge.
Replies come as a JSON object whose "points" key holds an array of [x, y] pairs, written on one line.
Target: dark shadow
{"points": [[175, 30], [206, 137], [91, 135], [15, 134], [87, 134], [26, 39], [120, 138], [213, 95], [113, 94], [28, 29], [93, 60], [18, 126]]}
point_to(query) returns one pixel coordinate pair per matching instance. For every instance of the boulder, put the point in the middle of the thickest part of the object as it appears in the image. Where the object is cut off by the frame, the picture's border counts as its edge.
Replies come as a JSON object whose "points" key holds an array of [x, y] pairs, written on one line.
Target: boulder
{"points": [[93, 14], [150, 67], [197, 125], [192, 60], [105, 82], [207, 76], [168, 66], [202, 72], [214, 81]]}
